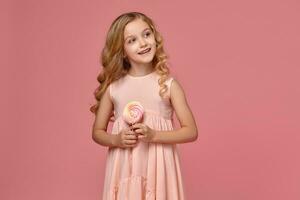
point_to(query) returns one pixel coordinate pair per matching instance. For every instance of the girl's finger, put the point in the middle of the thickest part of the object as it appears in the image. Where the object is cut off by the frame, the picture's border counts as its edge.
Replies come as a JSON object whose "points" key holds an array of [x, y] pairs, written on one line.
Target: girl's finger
{"points": [[137, 125], [138, 130], [130, 142], [141, 136], [129, 132], [131, 137]]}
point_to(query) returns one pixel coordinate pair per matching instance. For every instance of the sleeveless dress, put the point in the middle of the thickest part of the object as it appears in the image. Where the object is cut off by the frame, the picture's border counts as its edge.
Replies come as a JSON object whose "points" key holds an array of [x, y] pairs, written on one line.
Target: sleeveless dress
{"points": [[148, 171]]}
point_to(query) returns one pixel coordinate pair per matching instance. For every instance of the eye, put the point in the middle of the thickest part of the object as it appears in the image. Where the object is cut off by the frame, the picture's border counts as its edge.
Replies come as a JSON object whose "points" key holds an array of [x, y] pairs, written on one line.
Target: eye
{"points": [[148, 33], [131, 40]]}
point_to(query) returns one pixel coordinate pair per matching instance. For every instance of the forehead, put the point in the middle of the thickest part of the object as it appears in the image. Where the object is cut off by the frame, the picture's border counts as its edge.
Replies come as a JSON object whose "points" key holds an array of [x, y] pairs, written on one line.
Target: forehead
{"points": [[135, 27]]}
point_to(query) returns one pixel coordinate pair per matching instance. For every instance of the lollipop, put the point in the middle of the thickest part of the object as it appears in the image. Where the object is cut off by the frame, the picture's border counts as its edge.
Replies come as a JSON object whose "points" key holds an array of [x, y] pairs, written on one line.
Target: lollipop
{"points": [[133, 112]]}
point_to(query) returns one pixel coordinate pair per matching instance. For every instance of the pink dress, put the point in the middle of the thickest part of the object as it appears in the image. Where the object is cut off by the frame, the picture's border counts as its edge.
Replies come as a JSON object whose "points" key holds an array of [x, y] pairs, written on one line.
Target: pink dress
{"points": [[148, 171]]}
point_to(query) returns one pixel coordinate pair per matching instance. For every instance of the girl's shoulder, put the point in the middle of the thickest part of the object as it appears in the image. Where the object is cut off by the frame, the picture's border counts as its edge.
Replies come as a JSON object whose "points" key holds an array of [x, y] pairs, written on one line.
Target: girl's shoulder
{"points": [[170, 80], [117, 82], [112, 87]]}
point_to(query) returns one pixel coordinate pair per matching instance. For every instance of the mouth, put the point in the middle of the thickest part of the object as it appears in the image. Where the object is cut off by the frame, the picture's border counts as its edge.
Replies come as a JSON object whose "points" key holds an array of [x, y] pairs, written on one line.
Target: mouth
{"points": [[144, 51]]}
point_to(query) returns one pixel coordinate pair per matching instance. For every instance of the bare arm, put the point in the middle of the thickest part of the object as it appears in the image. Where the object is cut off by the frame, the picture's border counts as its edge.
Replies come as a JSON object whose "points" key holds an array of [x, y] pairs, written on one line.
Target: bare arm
{"points": [[188, 131], [103, 114]]}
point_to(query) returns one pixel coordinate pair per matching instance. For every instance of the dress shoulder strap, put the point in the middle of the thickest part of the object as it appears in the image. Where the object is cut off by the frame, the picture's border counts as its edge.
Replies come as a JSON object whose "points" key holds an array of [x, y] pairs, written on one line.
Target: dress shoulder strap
{"points": [[169, 83]]}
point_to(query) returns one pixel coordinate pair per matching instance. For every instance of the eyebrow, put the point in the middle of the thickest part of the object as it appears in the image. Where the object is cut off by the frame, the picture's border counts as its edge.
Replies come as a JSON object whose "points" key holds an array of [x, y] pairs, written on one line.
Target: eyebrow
{"points": [[142, 32]]}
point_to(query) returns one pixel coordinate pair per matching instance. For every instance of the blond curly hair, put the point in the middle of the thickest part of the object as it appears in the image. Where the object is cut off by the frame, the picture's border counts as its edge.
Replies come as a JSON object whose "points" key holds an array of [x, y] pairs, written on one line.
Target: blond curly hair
{"points": [[115, 66]]}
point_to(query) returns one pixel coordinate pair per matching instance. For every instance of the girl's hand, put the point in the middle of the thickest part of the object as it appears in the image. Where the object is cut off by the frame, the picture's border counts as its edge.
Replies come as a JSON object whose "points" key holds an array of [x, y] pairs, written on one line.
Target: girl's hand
{"points": [[126, 138], [145, 133]]}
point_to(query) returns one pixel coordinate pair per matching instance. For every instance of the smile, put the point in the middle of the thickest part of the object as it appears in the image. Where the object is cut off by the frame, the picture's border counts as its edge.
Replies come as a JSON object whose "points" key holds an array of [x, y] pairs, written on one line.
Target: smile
{"points": [[145, 51]]}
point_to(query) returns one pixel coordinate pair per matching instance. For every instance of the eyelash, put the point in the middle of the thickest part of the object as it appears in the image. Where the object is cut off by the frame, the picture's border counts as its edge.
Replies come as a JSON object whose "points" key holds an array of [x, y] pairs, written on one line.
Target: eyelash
{"points": [[149, 33]]}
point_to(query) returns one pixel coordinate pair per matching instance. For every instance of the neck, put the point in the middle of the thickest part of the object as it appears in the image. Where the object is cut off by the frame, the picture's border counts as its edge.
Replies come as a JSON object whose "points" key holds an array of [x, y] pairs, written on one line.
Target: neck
{"points": [[140, 70]]}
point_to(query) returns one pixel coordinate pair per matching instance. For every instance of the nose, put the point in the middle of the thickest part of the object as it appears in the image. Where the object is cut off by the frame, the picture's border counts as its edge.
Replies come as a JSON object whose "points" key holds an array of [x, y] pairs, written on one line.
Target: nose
{"points": [[142, 42]]}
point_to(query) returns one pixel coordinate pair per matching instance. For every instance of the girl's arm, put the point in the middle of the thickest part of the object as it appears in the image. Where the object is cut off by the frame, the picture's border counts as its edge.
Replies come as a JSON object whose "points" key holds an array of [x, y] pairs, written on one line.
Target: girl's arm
{"points": [[188, 131], [103, 115]]}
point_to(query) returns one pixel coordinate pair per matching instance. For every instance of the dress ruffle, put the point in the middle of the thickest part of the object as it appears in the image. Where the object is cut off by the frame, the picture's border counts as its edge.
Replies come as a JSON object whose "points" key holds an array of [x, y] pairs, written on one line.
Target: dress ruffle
{"points": [[134, 187]]}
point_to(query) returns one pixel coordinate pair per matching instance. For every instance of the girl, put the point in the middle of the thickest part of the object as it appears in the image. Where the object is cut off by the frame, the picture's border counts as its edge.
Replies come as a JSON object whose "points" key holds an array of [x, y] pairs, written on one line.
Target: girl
{"points": [[142, 160]]}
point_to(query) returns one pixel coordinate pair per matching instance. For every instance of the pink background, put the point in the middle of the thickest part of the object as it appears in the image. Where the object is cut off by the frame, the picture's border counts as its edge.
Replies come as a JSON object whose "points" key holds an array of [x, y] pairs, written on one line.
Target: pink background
{"points": [[238, 62]]}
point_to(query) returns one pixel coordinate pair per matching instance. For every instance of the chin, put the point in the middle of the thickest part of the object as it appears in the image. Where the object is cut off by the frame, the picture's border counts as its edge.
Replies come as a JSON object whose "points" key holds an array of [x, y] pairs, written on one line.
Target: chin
{"points": [[145, 60]]}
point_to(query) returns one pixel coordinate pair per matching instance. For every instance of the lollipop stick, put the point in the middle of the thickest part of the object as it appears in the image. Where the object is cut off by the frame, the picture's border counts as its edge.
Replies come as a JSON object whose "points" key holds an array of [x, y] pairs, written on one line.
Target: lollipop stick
{"points": [[130, 152]]}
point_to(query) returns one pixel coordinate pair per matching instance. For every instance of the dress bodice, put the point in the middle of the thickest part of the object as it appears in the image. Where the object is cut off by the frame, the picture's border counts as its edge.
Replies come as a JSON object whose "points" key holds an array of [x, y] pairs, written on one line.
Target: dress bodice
{"points": [[144, 89]]}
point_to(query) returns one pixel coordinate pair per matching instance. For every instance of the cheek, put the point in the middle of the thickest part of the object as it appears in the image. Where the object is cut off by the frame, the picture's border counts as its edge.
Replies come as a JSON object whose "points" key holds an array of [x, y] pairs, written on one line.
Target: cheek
{"points": [[152, 39], [131, 49], [152, 42], [127, 48]]}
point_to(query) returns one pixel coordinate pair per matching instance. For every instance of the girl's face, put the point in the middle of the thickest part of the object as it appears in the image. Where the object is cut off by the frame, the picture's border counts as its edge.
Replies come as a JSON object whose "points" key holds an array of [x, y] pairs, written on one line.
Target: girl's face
{"points": [[139, 42]]}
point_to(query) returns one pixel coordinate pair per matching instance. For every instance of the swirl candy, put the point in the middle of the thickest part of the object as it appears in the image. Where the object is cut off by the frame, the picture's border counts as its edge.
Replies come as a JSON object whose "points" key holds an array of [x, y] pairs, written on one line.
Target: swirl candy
{"points": [[133, 112]]}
